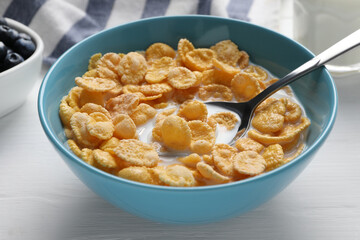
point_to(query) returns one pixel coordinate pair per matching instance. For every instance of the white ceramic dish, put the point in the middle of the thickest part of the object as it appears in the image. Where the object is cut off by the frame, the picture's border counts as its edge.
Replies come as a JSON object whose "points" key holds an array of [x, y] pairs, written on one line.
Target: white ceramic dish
{"points": [[17, 82]]}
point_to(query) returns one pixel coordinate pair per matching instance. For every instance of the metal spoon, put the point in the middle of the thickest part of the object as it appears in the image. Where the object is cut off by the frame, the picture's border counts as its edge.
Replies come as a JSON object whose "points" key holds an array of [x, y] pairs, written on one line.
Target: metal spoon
{"points": [[245, 110]]}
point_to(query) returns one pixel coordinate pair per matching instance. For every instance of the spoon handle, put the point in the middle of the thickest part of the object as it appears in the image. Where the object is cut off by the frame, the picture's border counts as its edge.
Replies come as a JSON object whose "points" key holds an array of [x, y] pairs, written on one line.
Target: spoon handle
{"points": [[332, 52]]}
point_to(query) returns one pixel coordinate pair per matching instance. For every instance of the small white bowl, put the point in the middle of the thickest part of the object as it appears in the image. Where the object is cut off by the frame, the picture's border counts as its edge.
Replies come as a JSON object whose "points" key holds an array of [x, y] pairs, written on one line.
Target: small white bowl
{"points": [[18, 81]]}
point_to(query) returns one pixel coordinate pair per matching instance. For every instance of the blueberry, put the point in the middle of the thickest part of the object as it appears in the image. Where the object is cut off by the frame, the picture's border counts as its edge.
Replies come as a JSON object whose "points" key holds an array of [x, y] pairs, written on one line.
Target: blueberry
{"points": [[12, 59], [24, 36], [3, 51], [9, 50], [24, 47], [8, 35], [3, 21]]}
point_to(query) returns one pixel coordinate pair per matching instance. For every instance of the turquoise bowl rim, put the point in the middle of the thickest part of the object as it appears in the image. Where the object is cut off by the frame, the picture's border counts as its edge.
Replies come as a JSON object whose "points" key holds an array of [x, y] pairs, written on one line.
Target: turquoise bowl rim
{"points": [[66, 152]]}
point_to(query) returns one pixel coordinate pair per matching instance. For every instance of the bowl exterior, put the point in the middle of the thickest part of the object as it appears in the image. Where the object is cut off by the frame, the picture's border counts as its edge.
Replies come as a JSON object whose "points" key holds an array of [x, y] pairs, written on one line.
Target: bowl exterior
{"points": [[201, 204], [17, 82], [185, 206]]}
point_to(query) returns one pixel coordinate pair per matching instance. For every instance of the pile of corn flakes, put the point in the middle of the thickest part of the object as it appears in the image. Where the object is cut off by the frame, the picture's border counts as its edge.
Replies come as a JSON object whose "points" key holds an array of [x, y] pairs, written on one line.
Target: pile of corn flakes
{"points": [[120, 92]]}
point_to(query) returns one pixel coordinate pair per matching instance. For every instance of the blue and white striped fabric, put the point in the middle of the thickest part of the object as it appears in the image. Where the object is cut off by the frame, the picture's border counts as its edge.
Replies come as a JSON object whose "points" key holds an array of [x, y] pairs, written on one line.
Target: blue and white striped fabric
{"points": [[62, 23]]}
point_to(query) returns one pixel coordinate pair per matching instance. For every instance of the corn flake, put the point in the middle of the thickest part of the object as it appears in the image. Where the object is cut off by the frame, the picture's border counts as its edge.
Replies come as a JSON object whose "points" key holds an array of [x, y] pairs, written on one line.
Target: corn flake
{"points": [[156, 131], [124, 104], [125, 127], [208, 172], [92, 97], [182, 95], [259, 73], [155, 89], [276, 107], [100, 126], [159, 70], [177, 176], [65, 112], [199, 59], [268, 122], [249, 163], [142, 114], [190, 160], [165, 113], [175, 133], [202, 137], [104, 159], [201, 146], [227, 52], [158, 102], [198, 76], [265, 104], [138, 174], [293, 111], [184, 46], [215, 91], [181, 78], [212, 123], [79, 125], [132, 68], [137, 153], [92, 108], [245, 86], [159, 50], [286, 135], [227, 119], [91, 73], [130, 88], [208, 77], [247, 144], [222, 157], [193, 110], [224, 73], [201, 131], [243, 60], [109, 145], [74, 147], [110, 61], [115, 91], [149, 99], [274, 156], [289, 146], [73, 98], [93, 61], [142, 97], [103, 72], [87, 156], [93, 84], [208, 159]]}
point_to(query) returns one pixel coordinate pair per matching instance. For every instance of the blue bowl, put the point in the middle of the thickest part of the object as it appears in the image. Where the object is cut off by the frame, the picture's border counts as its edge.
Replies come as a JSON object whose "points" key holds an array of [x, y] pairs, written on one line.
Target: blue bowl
{"points": [[269, 49]]}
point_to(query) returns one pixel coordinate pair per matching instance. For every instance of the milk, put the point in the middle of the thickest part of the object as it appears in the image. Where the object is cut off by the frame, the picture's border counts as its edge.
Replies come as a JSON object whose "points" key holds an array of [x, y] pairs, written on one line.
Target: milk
{"points": [[318, 24]]}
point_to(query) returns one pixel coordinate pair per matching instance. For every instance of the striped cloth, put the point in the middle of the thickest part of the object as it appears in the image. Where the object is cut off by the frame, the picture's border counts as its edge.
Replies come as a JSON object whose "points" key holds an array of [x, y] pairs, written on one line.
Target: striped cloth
{"points": [[62, 23]]}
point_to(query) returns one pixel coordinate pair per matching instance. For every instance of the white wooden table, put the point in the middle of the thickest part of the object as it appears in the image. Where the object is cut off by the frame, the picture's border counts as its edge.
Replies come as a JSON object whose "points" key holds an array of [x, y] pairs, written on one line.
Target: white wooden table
{"points": [[41, 199]]}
